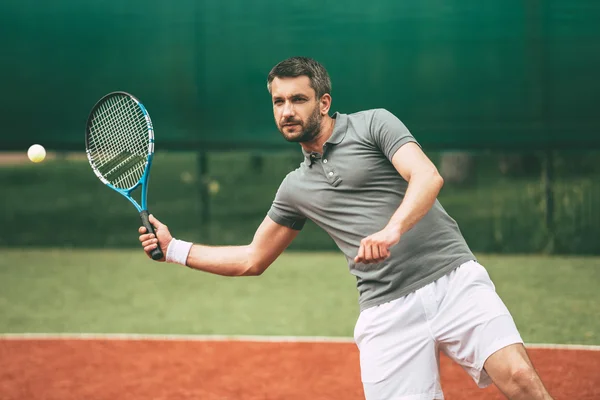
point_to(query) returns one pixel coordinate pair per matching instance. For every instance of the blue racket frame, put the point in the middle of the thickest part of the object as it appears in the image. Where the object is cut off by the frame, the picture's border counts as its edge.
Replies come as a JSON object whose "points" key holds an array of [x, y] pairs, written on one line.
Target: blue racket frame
{"points": [[143, 181]]}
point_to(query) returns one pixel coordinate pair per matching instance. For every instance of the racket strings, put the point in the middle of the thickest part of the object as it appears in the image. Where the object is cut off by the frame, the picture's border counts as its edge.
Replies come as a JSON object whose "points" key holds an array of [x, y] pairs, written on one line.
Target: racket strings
{"points": [[118, 141], [120, 168], [118, 159]]}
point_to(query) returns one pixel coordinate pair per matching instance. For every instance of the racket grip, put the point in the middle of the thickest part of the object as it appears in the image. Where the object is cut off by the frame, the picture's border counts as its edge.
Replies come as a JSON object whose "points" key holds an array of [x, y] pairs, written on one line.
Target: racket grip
{"points": [[157, 253]]}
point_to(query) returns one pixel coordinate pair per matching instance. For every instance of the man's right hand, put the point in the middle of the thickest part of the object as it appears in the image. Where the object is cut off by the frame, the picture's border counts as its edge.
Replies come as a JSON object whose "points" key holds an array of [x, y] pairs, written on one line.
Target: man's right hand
{"points": [[149, 241]]}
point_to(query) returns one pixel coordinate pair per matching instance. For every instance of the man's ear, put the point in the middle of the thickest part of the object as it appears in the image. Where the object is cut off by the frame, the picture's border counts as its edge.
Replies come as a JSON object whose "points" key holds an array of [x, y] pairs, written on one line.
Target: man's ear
{"points": [[325, 104]]}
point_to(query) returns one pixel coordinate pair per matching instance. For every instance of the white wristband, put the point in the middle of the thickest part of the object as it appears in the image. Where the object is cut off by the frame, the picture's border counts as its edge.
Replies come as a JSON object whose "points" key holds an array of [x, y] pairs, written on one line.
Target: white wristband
{"points": [[178, 251]]}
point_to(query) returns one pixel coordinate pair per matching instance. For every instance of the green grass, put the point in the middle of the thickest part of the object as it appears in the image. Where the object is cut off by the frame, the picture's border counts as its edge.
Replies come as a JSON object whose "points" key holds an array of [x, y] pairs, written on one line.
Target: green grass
{"points": [[553, 299], [122, 291]]}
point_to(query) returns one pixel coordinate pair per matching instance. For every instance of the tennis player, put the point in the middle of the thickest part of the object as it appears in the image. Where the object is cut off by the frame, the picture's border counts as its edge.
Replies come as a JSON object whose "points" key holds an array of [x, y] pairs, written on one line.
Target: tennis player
{"points": [[368, 184]]}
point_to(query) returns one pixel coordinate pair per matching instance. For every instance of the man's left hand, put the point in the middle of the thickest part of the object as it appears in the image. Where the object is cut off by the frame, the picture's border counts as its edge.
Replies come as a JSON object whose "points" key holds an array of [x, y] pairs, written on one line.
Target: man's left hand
{"points": [[376, 247]]}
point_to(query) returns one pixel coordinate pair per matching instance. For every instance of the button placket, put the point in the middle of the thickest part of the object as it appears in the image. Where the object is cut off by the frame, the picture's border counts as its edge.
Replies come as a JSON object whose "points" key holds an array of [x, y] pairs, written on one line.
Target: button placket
{"points": [[328, 169], [328, 172]]}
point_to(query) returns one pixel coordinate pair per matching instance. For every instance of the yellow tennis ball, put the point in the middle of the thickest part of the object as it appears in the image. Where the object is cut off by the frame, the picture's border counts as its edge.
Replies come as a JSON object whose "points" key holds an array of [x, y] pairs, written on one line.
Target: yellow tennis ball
{"points": [[214, 187], [36, 153]]}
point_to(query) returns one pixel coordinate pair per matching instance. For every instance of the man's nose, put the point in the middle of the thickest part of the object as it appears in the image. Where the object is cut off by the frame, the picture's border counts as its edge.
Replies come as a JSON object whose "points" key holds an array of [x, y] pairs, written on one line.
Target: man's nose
{"points": [[288, 110]]}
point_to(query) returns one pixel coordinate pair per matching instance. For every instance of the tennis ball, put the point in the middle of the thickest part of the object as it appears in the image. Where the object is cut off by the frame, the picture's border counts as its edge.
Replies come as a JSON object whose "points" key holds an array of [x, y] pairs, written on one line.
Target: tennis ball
{"points": [[214, 187], [36, 153]]}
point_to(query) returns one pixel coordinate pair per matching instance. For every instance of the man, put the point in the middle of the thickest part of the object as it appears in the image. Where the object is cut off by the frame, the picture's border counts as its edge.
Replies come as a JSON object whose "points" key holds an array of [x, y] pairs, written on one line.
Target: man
{"points": [[367, 183]]}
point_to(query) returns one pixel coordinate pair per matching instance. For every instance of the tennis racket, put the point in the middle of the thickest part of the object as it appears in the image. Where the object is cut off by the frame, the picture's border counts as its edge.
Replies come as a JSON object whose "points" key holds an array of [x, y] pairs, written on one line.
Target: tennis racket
{"points": [[119, 141]]}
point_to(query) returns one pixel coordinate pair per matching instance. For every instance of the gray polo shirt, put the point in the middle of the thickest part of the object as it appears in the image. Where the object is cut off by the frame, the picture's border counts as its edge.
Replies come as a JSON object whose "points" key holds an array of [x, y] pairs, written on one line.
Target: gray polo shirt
{"points": [[352, 190]]}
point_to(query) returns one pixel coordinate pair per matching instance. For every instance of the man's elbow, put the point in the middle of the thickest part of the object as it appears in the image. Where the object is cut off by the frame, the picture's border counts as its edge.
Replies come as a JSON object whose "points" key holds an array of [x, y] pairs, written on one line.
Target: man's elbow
{"points": [[254, 272], [253, 269], [438, 179], [431, 177]]}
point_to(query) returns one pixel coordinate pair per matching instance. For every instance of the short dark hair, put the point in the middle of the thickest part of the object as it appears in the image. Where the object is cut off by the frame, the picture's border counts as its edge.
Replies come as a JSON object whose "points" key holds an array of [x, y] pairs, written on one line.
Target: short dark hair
{"points": [[302, 66]]}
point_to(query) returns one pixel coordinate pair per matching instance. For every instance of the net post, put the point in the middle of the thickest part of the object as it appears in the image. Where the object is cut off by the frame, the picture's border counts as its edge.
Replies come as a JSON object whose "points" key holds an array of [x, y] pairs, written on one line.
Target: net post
{"points": [[202, 165], [257, 162], [548, 185]]}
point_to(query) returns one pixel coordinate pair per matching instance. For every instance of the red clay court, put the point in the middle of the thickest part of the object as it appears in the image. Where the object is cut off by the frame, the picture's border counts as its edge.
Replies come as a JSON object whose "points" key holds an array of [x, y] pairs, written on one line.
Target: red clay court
{"points": [[140, 369]]}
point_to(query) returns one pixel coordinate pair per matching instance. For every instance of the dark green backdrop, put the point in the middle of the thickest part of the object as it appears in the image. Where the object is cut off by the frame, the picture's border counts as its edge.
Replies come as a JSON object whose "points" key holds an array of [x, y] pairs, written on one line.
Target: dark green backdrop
{"points": [[460, 74]]}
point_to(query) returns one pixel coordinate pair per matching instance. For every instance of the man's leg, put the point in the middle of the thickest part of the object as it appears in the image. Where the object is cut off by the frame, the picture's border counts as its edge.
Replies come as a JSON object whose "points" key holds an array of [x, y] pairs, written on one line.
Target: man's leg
{"points": [[475, 329], [513, 373], [399, 359]]}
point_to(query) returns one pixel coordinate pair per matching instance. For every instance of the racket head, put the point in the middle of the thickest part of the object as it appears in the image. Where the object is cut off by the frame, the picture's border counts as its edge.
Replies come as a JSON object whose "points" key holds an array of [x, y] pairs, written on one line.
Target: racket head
{"points": [[119, 142]]}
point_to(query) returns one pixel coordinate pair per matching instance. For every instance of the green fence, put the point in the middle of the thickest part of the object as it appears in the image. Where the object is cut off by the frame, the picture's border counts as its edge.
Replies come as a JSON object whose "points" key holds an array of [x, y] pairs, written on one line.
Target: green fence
{"points": [[514, 83], [461, 74]]}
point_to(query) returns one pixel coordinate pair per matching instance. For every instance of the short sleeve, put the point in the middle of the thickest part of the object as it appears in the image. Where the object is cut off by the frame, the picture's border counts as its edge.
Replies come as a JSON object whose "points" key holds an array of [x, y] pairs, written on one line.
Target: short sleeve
{"points": [[282, 210], [389, 133]]}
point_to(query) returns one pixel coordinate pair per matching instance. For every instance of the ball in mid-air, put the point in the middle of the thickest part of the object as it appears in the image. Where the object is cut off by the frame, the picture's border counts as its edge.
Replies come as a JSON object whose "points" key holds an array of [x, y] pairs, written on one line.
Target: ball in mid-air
{"points": [[36, 153]]}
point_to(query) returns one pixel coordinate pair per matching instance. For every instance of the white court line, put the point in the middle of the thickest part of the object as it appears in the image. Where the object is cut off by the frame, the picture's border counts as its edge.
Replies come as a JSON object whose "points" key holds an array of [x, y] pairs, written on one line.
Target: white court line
{"points": [[175, 338], [554, 346], [234, 338]]}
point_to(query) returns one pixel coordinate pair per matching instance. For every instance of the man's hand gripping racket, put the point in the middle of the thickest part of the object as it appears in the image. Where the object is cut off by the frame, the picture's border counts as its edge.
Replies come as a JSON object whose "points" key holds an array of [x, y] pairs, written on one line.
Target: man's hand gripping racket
{"points": [[159, 239], [119, 143]]}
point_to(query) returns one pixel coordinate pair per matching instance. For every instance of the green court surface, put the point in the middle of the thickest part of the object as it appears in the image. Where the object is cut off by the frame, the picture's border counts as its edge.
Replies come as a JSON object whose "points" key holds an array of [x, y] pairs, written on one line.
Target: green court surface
{"points": [[553, 299]]}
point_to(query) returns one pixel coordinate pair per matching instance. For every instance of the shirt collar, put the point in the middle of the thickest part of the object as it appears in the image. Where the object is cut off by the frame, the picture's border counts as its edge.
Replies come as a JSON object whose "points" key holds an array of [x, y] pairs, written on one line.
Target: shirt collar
{"points": [[338, 134], [340, 128]]}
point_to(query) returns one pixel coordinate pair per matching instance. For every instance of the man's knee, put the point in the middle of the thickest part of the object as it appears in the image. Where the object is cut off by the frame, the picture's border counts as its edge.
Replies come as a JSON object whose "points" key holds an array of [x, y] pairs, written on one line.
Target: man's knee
{"points": [[513, 373], [524, 382], [522, 377]]}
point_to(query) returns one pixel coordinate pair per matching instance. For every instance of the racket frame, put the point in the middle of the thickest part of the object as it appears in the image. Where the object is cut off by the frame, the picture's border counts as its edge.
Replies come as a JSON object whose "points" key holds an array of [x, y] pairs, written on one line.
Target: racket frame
{"points": [[143, 181]]}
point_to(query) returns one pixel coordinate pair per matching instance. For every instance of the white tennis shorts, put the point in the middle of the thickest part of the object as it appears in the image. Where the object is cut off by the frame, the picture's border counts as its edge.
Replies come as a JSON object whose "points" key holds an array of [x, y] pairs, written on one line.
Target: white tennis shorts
{"points": [[399, 341]]}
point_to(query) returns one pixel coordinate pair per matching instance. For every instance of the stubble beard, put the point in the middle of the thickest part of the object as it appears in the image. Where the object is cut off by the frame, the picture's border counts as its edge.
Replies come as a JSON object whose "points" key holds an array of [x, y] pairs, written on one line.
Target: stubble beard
{"points": [[310, 130]]}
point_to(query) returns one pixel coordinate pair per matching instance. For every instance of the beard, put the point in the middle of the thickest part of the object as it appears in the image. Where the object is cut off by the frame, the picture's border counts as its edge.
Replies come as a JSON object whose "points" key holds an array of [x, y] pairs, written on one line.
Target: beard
{"points": [[309, 129]]}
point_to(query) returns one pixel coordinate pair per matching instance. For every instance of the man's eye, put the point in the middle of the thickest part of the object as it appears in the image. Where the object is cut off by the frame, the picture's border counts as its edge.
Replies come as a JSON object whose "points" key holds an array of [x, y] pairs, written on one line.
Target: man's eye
{"points": [[277, 102]]}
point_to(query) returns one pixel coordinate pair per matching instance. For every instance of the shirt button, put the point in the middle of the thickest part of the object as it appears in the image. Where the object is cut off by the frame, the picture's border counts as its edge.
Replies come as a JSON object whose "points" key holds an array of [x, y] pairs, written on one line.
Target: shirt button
{"points": [[330, 174], [325, 161]]}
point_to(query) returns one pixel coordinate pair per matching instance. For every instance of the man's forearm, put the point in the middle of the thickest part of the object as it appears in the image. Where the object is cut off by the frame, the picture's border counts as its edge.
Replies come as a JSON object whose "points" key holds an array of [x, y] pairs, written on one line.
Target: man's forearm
{"points": [[222, 260], [420, 196], [269, 241]]}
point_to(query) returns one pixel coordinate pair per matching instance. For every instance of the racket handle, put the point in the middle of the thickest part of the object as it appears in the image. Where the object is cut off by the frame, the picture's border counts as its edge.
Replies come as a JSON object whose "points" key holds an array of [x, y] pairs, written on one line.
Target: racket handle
{"points": [[157, 253]]}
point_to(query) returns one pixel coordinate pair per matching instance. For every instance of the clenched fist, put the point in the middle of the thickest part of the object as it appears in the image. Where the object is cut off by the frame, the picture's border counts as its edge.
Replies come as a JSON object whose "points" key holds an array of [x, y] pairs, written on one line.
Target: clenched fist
{"points": [[150, 241], [376, 247]]}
